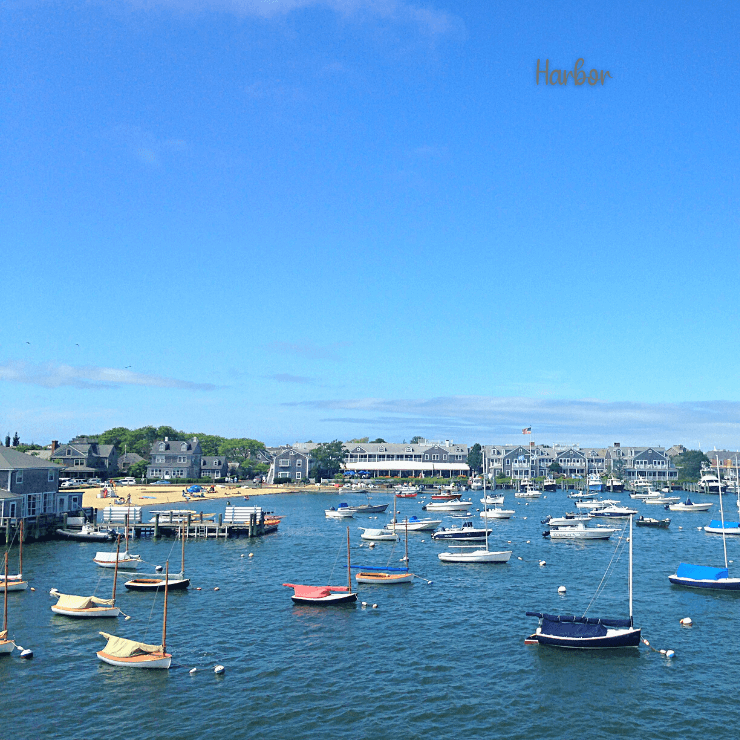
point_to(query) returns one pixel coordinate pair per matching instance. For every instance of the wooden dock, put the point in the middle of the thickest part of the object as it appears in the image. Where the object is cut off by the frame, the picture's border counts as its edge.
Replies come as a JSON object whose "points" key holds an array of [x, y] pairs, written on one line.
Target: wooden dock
{"points": [[237, 521]]}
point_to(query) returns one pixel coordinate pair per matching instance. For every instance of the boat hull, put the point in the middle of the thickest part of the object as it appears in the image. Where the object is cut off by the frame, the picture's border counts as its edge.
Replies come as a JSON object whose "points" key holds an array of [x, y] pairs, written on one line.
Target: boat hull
{"points": [[329, 600], [581, 534], [477, 556], [157, 584], [6, 647], [92, 613], [384, 579], [628, 638], [379, 535], [693, 507], [68, 534], [497, 514], [13, 586], [719, 584], [466, 533], [156, 660]]}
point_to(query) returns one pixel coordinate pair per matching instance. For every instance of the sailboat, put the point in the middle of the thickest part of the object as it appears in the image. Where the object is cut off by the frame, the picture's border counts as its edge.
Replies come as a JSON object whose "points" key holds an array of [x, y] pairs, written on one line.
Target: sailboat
{"points": [[325, 595], [6, 645], [588, 633], [154, 582], [704, 576], [474, 553], [387, 575], [88, 606], [125, 561], [125, 653], [16, 582]]}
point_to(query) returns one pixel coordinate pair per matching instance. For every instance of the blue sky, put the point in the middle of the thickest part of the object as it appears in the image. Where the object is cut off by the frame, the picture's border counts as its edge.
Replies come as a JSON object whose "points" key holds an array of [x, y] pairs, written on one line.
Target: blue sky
{"points": [[304, 219]]}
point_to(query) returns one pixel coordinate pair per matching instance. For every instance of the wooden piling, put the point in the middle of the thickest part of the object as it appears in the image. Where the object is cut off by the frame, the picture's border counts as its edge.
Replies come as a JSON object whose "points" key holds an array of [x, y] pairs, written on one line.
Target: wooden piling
{"points": [[156, 525]]}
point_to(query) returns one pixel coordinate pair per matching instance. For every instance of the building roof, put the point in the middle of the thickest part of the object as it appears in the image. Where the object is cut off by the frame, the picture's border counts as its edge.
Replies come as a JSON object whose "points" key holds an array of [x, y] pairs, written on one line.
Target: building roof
{"points": [[129, 458], [11, 459]]}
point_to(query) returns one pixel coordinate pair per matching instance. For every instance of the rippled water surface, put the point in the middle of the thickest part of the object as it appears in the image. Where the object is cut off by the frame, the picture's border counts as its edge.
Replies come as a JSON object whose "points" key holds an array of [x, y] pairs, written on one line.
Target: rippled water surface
{"points": [[434, 660]]}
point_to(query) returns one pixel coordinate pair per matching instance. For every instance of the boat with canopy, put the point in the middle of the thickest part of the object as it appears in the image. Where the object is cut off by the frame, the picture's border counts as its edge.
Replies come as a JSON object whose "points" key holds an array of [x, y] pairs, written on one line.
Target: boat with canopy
{"points": [[325, 595], [124, 653], [155, 582], [704, 576], [589, 633], [123, 560]]}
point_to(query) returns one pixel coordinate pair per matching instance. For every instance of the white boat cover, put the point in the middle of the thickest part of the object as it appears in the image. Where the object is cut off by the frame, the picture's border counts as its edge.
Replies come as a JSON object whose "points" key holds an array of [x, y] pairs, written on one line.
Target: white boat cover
{"points": [[66, 601], [4, 635], [120, 647]]}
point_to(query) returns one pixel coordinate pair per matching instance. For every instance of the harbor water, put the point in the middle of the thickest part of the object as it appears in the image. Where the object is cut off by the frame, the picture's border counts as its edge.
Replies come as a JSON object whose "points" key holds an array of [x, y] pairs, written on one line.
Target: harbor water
{"points": [[441, 659]]}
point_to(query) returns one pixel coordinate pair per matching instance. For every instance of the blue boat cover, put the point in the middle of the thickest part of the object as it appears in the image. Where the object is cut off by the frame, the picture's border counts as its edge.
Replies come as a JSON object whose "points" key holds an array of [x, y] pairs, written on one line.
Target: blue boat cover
{"points": [[701, 572], [572, 626], [717, 524]]}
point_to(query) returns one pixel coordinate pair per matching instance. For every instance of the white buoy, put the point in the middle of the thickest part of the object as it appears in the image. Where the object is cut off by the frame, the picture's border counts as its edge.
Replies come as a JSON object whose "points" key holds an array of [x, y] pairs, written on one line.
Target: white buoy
{"points": [[686, 622], [158, 568], [371, 545], [669, 653], [542, 563], [518, 558], [216, 588], [528, 542], [27, 654], [561, 589], [375, 606], [251, 554], [524, 517], [193, 671], [218, 669], [242, 555], [32, 588], [364, 603]]}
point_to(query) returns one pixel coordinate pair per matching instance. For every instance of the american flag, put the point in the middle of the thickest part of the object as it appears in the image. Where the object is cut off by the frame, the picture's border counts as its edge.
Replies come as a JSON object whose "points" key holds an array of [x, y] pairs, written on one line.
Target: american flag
{"points": [[527, 430]]}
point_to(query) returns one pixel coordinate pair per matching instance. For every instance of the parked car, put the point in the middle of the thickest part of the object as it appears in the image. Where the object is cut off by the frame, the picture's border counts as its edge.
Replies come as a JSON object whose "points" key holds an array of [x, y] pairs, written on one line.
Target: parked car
{"points": [[127, 482], [161, 483]]}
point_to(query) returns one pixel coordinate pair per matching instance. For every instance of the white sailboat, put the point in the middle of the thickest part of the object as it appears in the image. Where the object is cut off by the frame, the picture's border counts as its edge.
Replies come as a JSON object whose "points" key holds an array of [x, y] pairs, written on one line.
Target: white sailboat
{"points": [[386, 576], [123, 560], [155, 582]]}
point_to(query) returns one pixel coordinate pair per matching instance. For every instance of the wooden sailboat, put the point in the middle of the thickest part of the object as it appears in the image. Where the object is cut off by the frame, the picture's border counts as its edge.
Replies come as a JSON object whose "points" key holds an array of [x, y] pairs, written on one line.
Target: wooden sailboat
{"points": [[16, 582], [131, 654], [6, 645], [124, 561], [85, 607], [387, 576], [588, 633], [325, 595], [154, 582]]}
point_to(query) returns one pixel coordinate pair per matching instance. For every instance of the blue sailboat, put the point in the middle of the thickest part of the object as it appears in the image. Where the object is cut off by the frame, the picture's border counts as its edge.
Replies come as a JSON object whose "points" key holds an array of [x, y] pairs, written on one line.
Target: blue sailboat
{"points": [[704, 576], [588, 633]]}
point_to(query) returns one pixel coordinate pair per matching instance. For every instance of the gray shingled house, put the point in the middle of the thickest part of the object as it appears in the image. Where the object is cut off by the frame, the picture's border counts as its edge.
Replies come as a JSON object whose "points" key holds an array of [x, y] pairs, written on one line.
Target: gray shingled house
{"points": [[175, 458]]}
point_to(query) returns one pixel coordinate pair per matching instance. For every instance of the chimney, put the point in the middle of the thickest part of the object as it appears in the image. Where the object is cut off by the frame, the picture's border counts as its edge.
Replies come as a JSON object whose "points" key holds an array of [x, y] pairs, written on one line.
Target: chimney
{"points": [[166, 439], [617, 444], [54, 445]]}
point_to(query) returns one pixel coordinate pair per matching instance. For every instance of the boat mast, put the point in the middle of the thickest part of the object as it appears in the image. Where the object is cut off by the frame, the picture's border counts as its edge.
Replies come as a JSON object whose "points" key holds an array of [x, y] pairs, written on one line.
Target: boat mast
{"points": [[721, 510], [406, 554], [394, 514], [5, 606], [164, 620], [115, 571], [629, 579], [126, 527], [20, 556], [182, 554], [349, 567]]}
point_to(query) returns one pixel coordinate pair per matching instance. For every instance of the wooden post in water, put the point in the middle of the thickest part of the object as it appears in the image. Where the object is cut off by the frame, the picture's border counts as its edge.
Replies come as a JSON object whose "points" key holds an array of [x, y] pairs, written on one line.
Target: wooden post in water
{"points": [[189, 521], [164, 621], [156, 525], [64, 520]]}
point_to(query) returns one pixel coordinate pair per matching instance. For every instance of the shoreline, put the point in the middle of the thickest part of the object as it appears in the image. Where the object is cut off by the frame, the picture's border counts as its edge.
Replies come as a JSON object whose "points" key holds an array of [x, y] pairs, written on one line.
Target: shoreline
{"points": [[151, 495]]}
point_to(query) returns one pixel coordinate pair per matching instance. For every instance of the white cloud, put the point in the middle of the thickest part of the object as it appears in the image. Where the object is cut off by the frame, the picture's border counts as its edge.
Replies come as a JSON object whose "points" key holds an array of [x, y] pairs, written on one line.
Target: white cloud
{"points": [[586, 421], [55, 376]]}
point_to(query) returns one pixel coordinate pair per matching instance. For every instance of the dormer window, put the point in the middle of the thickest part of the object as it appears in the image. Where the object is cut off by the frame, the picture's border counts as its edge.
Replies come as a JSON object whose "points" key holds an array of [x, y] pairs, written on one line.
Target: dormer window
{"points": [[161, 446], [409, 449], [183, 447], [69, 452], [381, 448]]}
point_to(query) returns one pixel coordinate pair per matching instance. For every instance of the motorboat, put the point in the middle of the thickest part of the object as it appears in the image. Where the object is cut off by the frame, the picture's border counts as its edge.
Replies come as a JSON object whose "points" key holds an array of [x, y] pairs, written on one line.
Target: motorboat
{"points": [[413, 524], [446, 496], [710, 482], [613, 512], [614, 484], [594, 482], [646, 521], [407, 491], [497, 513], [379, 535], [452, 505], [549, 485], [341, 512], [704, 576], [689, 505], [126, 561], [660, 499], [528, 493], [476, 484], [492, 500], [87, 533], [566, 529], [465, 532]]}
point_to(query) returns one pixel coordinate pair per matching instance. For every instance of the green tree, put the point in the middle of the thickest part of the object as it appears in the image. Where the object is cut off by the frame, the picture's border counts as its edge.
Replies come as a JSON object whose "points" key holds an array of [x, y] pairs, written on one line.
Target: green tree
{"points": [[379, 441], [138, 470], [240, 449], [360, 440], [555, 467], [329, 457], [689, 465], [416, 439], [16, 440], [475, 458], [618, 467]]}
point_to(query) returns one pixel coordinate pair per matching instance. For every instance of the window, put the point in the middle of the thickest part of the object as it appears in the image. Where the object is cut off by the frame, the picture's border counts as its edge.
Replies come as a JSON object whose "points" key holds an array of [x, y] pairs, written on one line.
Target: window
{"points": [[426, 457], [435, 457], [283, 475], [160, 459], [183, 447], [79, 462], [161, 446], [51, 476], [68, 452], [408, 449], [182, 459], [381, 448], [284, 463], [19, 477], [444, 457], [31, 509], [299, 464], [216, 463], [298, 475]]}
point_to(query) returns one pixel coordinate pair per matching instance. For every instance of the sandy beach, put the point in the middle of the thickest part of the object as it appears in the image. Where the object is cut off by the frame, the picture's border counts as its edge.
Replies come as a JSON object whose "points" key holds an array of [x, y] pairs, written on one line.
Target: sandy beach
{"points": [[152, 495]]}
